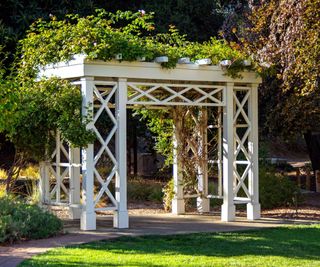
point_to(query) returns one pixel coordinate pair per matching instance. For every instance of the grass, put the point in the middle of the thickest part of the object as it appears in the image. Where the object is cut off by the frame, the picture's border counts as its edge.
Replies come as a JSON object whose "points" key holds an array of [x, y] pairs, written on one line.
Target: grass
{"points": [[284, 246]]}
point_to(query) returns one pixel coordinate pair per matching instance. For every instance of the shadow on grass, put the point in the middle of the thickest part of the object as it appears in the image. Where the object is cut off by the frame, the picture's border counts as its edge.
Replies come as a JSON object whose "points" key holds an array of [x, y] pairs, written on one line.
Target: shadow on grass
{"points": [[300, 243]]}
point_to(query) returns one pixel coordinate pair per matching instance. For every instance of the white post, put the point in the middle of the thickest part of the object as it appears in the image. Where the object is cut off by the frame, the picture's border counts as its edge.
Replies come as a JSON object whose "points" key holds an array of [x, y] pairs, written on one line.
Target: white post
{"points": [[88, 215], [74, 187], [58, 168], [203, 203], [253, 208], [219, 154], [228, 207], [178, 204], [44, 183], [121, 218]]}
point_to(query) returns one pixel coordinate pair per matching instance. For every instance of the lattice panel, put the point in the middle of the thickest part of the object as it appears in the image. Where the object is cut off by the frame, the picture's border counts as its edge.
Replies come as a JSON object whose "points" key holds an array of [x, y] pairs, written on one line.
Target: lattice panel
{"points": [[175, 94], [59, 173], [105, 128], [242, 130]]}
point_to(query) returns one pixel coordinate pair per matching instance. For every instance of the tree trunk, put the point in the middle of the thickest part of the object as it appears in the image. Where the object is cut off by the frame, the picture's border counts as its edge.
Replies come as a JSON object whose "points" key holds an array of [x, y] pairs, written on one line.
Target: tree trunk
{"points": [[14, 171]]}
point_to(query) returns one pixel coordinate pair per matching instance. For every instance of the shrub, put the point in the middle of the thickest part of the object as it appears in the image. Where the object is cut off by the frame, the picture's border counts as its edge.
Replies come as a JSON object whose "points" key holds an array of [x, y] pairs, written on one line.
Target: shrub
{"points": [[168, 194], [19, 221], [275, 189], [31, 172], [142, 189], [3, 174]]}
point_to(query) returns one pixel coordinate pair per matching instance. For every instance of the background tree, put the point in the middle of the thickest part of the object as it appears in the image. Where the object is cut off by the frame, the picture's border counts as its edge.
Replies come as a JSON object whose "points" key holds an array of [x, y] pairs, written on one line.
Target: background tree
{"points": [[285, 36]]}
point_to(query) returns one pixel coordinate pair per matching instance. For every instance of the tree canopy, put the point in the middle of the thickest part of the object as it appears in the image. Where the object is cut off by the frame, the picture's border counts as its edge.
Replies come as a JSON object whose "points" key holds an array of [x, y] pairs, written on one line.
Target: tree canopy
{"points": [[284, 37]]}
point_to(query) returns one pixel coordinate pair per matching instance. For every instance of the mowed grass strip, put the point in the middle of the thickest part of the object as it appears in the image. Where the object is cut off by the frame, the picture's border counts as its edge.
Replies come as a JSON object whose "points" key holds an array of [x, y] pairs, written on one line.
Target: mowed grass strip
{"points": [[283, 246]]}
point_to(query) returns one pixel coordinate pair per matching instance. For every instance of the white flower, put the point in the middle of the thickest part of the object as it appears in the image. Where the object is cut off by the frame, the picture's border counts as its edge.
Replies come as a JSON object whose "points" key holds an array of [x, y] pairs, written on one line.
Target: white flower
{"points": [[142, 12]]}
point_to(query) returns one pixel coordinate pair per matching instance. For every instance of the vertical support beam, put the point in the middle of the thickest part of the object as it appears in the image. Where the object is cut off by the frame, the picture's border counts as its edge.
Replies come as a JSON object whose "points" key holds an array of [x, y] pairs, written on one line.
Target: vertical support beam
{"points": [[121, 218], [220, 194], [253, 208], [228, 207], [44, 185], [58, 169], [74, 190], [203, 203], [88, 215], [178, 203]]}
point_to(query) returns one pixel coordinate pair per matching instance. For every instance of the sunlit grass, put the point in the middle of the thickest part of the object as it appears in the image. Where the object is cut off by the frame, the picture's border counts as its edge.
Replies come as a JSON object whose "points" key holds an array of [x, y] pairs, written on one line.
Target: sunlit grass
{"points": [[285, 246]]}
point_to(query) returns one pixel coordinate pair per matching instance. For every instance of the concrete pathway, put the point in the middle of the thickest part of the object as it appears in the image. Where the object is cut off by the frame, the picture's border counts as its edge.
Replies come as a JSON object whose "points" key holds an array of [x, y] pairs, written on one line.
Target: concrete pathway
{"points": [[160, 224]]}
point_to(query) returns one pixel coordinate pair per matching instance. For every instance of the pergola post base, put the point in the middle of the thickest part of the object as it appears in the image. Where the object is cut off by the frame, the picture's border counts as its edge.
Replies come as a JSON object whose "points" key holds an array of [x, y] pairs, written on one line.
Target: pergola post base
{"points": [[178, 206], [203, 205], [121, 219], [88, 221], [228, 213], [253, 211]]}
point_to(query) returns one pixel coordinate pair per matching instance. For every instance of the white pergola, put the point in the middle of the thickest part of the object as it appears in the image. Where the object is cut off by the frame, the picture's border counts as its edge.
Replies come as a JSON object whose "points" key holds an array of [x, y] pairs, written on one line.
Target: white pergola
{"points": [[72, 177]]}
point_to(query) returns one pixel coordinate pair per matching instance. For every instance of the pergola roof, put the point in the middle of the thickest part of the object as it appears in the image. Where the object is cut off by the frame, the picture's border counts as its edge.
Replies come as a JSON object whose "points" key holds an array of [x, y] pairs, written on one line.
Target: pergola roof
{"points": [[82, 67]]}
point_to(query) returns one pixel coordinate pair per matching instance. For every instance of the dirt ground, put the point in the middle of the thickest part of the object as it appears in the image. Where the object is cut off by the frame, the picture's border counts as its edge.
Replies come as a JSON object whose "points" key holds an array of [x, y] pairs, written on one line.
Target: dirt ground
{"points": [[308, 210]]}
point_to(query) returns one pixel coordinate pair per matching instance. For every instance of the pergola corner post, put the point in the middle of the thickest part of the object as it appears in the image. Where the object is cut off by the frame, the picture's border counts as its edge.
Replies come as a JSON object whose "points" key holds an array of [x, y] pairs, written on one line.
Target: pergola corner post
{"points": [[121, 217], [178, 203], [88, 215], [228, 206], [74, 188], [253, 208], [203, 203], [44, 184]]}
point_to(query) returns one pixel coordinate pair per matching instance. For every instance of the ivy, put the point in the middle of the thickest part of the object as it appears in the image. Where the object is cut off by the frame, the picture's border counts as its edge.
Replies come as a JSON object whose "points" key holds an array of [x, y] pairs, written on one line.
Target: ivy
{"points": [[104, 35], [35, 112]]}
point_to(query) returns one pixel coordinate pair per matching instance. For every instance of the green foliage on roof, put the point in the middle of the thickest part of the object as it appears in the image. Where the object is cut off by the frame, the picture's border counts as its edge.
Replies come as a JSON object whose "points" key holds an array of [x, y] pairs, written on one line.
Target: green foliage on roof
{"points": [[104, 35]]}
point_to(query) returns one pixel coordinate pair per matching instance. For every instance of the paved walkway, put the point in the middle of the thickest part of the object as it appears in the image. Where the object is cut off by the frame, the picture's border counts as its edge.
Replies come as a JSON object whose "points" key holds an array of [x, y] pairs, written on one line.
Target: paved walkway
{"points": [[160, 224]]}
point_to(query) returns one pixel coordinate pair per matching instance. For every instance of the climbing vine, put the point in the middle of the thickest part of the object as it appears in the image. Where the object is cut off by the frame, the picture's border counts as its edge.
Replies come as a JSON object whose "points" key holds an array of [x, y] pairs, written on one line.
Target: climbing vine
{"points": [[104, 35], [34, 109]]}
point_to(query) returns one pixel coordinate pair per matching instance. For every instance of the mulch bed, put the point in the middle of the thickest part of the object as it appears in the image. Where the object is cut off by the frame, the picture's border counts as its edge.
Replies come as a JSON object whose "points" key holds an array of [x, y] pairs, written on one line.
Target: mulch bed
{"points": [[303, 212]]}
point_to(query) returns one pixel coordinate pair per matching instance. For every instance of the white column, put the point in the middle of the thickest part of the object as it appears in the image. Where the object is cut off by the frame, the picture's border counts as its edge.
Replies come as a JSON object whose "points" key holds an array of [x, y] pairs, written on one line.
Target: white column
{"points": [[121, 218], [203, 203], [253, 208], [228, 207], [220, 194], [58, 168], [74, 188], [88, 215], [178, 203], [44, 183]]}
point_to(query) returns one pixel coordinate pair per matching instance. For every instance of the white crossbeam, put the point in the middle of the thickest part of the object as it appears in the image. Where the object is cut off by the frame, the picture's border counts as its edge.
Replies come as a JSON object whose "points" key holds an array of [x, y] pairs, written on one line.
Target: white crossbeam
{"points": [[141, 94]]}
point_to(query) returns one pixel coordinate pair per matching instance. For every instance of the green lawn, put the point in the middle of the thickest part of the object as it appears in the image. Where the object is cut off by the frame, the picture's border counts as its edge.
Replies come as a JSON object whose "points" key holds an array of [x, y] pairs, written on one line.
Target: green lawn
{"points": [[285, 246]]}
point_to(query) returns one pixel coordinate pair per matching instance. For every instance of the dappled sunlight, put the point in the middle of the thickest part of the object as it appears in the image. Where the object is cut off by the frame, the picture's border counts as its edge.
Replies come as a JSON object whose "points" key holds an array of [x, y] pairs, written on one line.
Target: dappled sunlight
{"points": [[272, 247]]}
